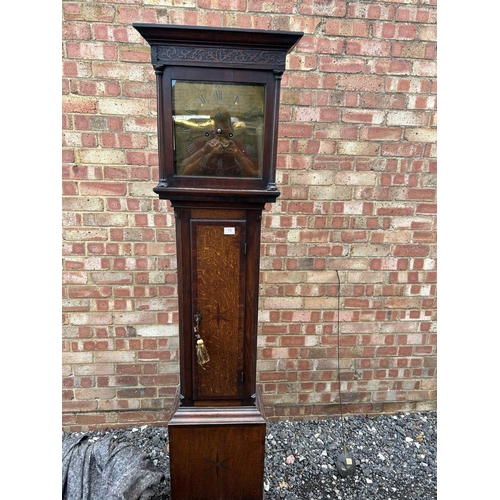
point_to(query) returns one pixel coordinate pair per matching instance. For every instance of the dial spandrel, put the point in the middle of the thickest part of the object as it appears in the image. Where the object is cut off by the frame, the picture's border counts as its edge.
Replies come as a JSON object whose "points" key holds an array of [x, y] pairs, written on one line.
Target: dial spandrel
{"points": [[218, 128]]}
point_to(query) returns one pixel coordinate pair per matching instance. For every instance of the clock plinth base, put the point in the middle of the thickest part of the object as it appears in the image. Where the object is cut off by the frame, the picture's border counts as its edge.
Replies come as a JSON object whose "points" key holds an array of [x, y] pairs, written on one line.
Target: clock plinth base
{"points": [[217, 452]]}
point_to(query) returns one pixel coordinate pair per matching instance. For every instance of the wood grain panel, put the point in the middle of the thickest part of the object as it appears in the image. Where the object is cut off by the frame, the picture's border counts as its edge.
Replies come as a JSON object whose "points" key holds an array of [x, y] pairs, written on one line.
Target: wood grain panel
{"points": [[218, 282], [212, 462]]}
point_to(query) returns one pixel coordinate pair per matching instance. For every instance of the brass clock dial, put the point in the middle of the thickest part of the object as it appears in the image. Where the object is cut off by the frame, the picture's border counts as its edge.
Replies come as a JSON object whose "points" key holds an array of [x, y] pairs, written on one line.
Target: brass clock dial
{"points": [[218, 128]]}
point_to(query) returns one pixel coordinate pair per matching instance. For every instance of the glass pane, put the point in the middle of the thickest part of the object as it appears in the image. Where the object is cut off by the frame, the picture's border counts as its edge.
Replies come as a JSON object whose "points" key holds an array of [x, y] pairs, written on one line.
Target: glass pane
{"points": [[218, 128]]}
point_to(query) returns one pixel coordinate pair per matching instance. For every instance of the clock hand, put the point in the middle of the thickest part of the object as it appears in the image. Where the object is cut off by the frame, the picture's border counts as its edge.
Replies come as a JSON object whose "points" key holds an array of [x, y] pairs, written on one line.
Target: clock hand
{"points": [[190, 139]]}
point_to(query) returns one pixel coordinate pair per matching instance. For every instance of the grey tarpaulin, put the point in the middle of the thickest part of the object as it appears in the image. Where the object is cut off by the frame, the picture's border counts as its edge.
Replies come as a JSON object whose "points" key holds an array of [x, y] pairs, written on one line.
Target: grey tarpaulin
{"points": [[106, 469]]}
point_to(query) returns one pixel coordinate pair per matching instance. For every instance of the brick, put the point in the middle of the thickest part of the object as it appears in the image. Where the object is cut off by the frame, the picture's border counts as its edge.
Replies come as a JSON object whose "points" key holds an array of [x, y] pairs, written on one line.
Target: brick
{"points": [[395, 30], [283, 303], [422, 194], [126, 107], [407, 118], [393, 67], [313, 178], [79, 104], [421, 135], [341, 65], [357, 175], [357, 148], [428, 33], [381, 133], [100, 156], [409, 50], [79, 406], [302, 62], [295, 130], [118, 71], [356, 178], [102, 393], [424, 68], [97, 13], [328, 46], [361, 83], [334, 8], [85, 235], [347, 28], [76, 31], [91, 50], [368, 47], [401, 150], [132, 53], [103, 188], [143, 90], [363, 116], [411, 250]]}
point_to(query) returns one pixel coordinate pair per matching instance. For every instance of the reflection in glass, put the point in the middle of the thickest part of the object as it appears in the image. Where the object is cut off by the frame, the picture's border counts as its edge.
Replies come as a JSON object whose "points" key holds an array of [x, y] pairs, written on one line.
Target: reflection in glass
{"points": [[218, 129]]}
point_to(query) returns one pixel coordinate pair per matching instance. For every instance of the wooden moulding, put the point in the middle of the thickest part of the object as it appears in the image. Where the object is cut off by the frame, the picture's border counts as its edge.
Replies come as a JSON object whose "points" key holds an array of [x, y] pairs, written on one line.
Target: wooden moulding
{"points": [[217, 415], [222, 47]]}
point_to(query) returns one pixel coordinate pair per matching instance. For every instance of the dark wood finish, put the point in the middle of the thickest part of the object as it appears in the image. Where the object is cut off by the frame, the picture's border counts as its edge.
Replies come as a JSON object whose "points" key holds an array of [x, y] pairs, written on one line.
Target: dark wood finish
{"points": [[218, 47], [219, 55], [219, 277], [217, 426], [217, 453]]}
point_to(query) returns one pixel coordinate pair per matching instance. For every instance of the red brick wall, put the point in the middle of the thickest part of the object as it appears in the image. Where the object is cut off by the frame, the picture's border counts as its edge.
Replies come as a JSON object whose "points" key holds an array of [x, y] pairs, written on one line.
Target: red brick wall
{"points": [[356, 171]]}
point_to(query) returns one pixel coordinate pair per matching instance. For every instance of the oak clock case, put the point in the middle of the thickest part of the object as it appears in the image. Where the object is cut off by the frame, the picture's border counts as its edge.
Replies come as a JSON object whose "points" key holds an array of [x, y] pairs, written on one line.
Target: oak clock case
{"points": [[218, 103]]}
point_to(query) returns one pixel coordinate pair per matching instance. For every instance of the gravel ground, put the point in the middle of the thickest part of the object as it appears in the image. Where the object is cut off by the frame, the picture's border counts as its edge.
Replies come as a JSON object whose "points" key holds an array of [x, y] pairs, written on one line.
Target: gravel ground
{"points": [[395, 457]]}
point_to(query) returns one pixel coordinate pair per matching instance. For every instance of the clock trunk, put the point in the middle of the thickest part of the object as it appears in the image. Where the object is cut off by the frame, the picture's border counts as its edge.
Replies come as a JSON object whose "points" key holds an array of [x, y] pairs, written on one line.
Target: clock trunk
{"points": [[218, 280]]}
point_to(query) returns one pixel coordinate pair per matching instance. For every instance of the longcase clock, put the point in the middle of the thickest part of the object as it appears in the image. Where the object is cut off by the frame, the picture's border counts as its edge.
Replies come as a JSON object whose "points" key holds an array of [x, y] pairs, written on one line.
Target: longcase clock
{"points": [[218, 93]]}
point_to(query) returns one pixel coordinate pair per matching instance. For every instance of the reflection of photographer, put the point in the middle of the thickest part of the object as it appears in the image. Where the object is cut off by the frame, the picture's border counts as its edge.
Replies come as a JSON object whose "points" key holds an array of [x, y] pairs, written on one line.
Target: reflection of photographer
{"points": [[220, 154]]}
